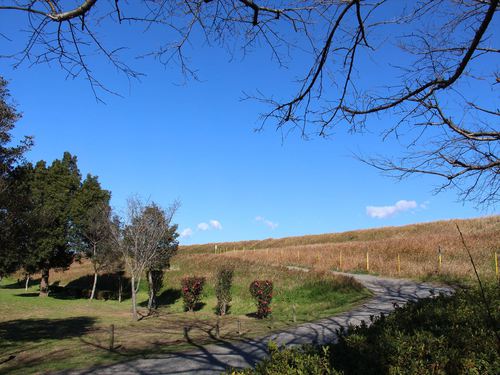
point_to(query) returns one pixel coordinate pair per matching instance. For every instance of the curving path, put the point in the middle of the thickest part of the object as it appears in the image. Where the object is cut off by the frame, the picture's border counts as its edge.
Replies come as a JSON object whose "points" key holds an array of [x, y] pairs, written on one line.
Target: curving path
{"points": [[216, 358]]}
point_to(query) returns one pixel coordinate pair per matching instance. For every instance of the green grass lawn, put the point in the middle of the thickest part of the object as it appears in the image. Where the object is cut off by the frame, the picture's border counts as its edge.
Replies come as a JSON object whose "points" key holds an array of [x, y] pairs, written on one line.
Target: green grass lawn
{"points": [[54, 333]]}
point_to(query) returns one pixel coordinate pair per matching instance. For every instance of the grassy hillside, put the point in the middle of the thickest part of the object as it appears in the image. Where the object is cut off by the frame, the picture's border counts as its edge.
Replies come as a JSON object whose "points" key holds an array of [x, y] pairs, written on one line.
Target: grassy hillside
{"points": [[416, 246]]}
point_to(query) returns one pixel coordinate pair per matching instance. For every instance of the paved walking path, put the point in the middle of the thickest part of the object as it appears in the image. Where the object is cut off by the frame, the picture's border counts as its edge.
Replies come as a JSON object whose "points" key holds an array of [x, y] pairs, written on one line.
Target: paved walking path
{"points": [[216, 358]]}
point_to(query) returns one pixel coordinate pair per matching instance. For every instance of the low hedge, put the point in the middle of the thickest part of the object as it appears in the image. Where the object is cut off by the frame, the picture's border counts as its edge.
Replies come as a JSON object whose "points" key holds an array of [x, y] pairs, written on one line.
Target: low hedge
{"points": [[442, 335]]}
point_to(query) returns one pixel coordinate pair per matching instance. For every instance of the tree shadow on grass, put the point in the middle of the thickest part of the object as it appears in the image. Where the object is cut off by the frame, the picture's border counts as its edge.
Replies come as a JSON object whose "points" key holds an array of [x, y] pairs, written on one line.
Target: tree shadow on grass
{"points": [[33, 330], [166, 298], [32, 294], [107, 288], [21, 284], [199, 306]]}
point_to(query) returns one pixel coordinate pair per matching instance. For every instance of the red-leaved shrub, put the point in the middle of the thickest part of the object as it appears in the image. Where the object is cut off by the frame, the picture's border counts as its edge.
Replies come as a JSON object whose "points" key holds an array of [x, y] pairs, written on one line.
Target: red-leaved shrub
{"points": [[192, 287], [262, 291]]}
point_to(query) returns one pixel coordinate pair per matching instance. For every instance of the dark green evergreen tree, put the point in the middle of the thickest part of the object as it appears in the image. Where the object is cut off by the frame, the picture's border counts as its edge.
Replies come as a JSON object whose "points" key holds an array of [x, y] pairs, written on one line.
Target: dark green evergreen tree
{"points": [[91, 225], [53, 190], [12, 193], [15, 220], [167, 248]]}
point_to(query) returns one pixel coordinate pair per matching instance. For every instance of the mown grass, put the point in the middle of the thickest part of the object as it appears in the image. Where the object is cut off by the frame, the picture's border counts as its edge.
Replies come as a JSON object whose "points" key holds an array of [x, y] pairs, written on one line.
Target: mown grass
{"points": [[417, 247], [54, 334]]}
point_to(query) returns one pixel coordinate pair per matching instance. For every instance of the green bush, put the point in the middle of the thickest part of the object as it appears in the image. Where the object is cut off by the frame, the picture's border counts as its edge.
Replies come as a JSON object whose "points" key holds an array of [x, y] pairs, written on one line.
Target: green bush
{"points": [[305, 360], [262, 291], [441, 335], [192, 287], [223, 289]]}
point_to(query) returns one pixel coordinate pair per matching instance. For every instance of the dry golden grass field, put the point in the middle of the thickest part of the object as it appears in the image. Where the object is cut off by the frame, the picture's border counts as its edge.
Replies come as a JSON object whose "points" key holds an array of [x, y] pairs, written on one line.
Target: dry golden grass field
{"points": [[407, 251]]}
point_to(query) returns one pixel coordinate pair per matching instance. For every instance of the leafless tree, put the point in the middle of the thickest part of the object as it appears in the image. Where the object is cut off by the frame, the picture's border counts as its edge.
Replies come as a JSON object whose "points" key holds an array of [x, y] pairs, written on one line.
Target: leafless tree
{"points": [[140, 239], [430, 66]]}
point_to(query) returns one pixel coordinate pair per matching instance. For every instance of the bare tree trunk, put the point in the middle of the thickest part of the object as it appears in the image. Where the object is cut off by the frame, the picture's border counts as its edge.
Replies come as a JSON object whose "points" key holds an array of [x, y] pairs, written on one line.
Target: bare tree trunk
{"points": [[26, 286], [120, 288], [134, 306], [95, 271], [94, 286], [151, 301], [44, 282]]}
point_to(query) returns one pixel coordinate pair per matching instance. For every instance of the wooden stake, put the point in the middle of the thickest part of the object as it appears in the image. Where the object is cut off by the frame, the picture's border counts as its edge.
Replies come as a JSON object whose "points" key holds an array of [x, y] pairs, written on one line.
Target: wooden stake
{"points": [[239, 327], [496, 264], [217, 328], [294, 314], [399, 265], [340, 260], [440, 259], [367, 262], [112, 337]]}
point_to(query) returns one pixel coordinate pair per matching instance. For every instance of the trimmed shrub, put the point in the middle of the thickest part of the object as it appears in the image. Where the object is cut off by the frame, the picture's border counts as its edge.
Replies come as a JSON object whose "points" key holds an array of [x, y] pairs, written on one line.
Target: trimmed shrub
{"points": [[223, 289], [262, 291], [435, 336], [192, 287], [305, 360]]}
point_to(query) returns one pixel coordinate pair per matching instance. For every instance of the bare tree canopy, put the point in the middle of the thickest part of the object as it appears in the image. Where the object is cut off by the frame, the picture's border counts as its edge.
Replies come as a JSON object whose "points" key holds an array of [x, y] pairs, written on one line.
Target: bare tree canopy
{"points": [[431, 66], [144, 239]]}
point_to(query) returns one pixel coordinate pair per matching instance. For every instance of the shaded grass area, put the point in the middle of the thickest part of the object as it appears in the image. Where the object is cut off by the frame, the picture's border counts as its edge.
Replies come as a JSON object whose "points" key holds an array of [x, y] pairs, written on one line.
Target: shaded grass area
{"points": [[54, 334]]}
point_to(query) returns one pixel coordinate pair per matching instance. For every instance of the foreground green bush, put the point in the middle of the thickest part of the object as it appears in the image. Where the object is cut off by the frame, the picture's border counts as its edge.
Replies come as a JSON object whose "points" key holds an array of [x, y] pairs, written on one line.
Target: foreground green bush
{"points": [[305, 360], [442, 335]]}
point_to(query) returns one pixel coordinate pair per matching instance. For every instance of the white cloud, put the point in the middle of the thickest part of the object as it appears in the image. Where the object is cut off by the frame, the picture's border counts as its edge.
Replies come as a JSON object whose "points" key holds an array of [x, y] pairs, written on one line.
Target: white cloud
{"points": [[383, 212], [266, 222], [425, 205], [203, 226], [186, 233], [215, 224]]}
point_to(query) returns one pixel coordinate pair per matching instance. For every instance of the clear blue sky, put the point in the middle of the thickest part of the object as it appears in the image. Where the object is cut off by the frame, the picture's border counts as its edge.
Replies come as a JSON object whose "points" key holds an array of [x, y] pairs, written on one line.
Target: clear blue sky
{"points": [[196, 142]]}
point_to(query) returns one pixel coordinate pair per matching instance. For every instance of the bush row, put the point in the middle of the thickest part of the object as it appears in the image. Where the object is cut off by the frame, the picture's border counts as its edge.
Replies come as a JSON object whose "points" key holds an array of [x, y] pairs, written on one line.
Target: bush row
{"points": [[444, 335], [192, 289]]}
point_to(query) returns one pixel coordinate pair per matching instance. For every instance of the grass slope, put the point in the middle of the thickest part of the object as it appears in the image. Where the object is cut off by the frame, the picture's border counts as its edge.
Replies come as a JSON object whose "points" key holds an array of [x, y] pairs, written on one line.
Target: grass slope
{"points": [[416, 246]]}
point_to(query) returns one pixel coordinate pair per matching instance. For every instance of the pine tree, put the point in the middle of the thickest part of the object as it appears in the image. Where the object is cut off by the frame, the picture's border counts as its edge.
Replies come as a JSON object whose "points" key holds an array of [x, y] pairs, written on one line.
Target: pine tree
{"points": [[53, 190], [12, 191]]}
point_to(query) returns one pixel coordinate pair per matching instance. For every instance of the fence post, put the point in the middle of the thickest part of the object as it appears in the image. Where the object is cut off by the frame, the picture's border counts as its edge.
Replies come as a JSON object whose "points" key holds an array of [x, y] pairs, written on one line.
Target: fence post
{"points": [[112, 337], [440, 259], [340, 260], [294, 314], [399, 264], [496, 264], [215, 249], [239, 327], [217, 328], [367, 262], [186, 333]]}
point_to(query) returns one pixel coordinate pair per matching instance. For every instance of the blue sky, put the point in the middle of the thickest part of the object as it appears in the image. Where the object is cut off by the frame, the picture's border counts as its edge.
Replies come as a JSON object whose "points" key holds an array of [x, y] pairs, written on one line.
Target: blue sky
{"points": [[196, 142]]}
